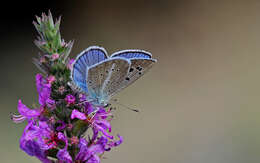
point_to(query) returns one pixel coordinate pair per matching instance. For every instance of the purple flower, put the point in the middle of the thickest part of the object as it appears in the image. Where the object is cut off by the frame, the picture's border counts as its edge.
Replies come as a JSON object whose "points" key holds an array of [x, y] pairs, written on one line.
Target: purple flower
{"points": [[98, 121], [33, 140], [63, 154], [43, 88], [77, 114], [70, 99], [32, 148], [89, 154], [116, 143], [56, 130], [25, 113]]}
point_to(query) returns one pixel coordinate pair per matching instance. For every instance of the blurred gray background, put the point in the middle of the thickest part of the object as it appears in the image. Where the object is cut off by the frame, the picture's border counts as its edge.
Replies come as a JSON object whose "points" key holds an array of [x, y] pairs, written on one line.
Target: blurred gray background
{"points": [[199, 104]]}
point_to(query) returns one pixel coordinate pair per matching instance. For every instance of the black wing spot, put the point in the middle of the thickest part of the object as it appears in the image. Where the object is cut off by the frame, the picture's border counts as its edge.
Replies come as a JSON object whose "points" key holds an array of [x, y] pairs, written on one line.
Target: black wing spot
{"points": [[101, 74], [117, 70], [106, 71], [131, 69], [140, 73], [113, 69], [139, 68], [127, 78]]}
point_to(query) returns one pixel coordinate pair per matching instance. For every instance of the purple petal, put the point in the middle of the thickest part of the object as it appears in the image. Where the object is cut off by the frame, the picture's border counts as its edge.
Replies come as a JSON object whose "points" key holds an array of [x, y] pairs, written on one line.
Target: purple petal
{"points": [[25, 111], [50, 103], [96, 149], [62, 126], [70, 99], [62, 137], [38, 82], [94, 159], [117, 143], [103, 141], [64, 155], [43, 88], [88, 108], [104, 123], [77, 114], [95, 135], [100, 128], [32, 148], [83, 150], [31, 142], [43, 125]]}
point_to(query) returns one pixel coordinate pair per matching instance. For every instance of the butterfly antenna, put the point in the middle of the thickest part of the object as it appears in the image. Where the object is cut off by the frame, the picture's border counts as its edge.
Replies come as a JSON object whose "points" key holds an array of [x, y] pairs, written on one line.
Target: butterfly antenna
{"points": [[124, 106]]}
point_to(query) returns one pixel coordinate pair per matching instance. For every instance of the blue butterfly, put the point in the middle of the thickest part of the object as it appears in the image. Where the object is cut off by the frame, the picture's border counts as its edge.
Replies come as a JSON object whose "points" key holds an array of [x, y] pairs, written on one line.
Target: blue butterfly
{"points": [[100, 77]]}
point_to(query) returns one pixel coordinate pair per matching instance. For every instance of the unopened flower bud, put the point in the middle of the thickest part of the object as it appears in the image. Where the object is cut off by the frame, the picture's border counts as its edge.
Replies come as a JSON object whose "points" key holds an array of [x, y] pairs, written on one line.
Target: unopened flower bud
{"points": [[55, 56]]}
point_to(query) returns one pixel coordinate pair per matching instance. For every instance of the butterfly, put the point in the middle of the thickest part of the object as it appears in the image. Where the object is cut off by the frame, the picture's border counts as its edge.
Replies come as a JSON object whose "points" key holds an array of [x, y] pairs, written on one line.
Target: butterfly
{"points": [[100, 77]]}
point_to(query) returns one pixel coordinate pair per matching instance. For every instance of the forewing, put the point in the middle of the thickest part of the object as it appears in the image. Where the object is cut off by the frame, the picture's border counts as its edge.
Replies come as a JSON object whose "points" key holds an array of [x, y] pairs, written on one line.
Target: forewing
{"points": [[85, 59], [105, 78], [132, 53]]}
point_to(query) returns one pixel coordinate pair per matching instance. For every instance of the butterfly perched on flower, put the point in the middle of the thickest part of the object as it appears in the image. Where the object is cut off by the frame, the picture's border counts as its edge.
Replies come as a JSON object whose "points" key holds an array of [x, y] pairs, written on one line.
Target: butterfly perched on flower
{"points": [[100, 77]]}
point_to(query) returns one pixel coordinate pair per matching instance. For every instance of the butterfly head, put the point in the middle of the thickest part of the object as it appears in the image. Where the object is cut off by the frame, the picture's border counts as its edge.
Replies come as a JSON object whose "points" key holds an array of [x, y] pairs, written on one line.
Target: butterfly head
{"points": [[98, 99], [102, 102]]}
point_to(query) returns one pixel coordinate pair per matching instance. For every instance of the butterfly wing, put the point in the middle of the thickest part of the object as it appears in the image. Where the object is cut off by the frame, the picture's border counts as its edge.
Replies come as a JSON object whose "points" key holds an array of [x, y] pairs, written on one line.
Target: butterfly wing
{"points": [[141, 62], [104, 78], [132, 53], [137, 69], [85, 59]]}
